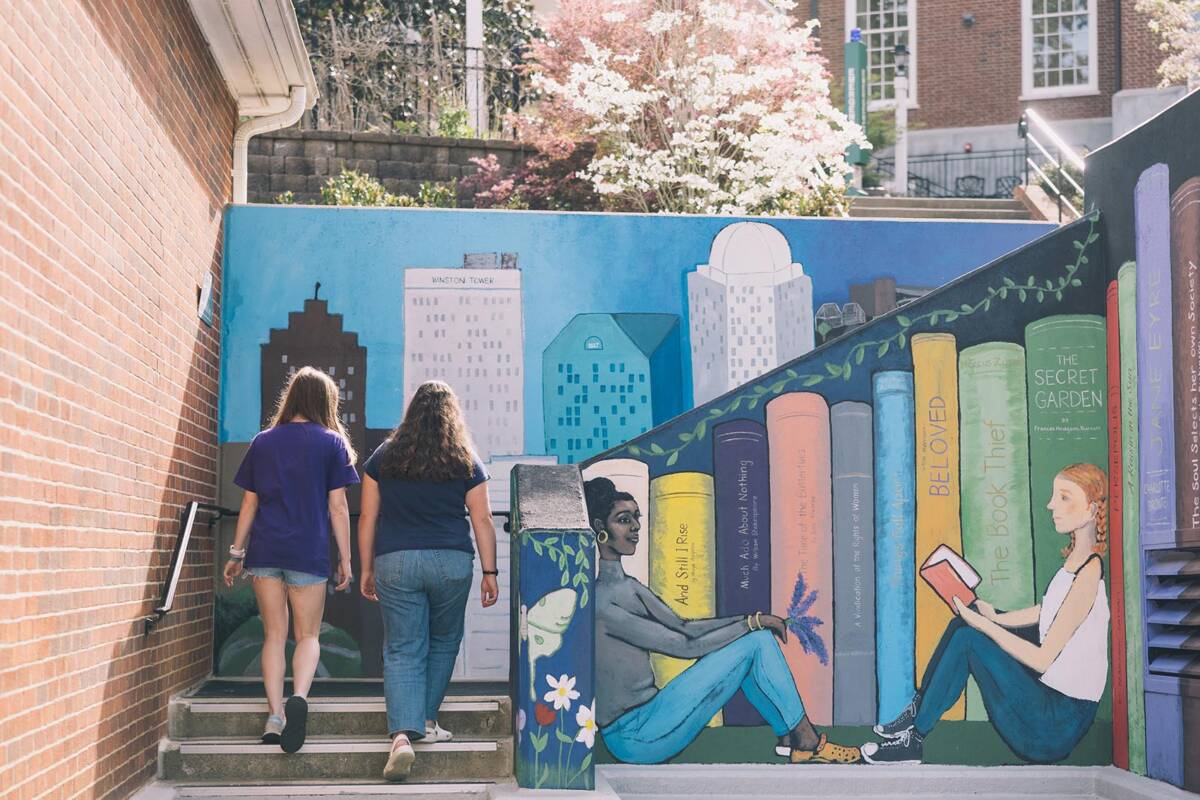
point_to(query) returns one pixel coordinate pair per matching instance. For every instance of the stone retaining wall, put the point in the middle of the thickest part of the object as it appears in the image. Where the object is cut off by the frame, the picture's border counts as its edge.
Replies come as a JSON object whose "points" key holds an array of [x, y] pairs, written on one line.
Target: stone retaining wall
{"points": [[302, 161]]}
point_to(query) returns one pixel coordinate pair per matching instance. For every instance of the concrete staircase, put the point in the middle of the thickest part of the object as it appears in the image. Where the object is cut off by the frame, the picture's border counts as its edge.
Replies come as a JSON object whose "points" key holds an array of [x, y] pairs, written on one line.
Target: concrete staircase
{"points": [[985, 209], [213, 750]]}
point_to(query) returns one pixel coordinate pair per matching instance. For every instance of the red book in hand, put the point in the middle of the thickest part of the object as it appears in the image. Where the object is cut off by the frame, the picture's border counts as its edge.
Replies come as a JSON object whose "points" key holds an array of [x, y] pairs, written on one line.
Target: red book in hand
{"points": [[948, 574]]}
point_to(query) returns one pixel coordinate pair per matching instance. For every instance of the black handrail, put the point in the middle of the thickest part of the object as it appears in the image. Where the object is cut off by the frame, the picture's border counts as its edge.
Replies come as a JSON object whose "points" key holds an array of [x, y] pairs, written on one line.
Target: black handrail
{"points": [[187, 519]]}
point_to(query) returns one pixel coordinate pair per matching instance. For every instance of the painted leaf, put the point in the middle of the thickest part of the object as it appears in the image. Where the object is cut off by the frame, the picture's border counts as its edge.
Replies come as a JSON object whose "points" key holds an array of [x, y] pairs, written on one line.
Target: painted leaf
{"points": [[671, 459], [656, 448], [562, 737], [812, 380], [903, 320]]}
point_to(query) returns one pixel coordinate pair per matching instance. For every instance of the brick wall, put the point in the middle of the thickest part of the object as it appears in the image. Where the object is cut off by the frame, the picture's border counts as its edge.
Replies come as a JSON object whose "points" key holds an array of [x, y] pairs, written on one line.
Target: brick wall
{"points": [[114, 170], [302, 161], [972, 76]]}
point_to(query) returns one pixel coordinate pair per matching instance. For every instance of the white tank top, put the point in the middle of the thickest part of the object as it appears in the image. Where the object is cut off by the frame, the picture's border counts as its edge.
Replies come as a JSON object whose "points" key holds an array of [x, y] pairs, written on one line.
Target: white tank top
{"points": [[1081, 669]]}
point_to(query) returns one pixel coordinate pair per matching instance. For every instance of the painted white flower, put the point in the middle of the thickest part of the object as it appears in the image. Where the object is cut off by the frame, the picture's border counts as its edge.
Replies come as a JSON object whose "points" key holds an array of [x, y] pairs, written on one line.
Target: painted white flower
{"points": [[521, 719], [562, 692], [585, 717]]}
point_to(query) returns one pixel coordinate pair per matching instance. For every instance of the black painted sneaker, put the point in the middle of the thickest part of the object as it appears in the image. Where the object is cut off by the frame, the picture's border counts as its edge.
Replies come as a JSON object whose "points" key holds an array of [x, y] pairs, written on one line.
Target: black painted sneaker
{"points": [[295, 714], [905, 748], [906, 720]]}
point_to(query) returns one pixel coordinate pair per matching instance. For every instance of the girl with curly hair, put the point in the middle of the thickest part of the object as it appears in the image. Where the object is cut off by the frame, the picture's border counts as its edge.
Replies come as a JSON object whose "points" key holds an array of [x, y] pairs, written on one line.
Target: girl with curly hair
{"points": [[414, 539], [1041, 670]]}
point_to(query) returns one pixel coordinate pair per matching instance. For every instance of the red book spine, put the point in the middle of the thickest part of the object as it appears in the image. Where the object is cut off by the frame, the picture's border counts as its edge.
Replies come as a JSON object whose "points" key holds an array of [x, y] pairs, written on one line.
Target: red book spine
{"points": [[1120, 729]]}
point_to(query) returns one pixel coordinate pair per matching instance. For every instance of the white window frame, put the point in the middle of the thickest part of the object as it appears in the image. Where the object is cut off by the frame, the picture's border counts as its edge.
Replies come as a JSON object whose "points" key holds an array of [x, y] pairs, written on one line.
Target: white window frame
{"points": [[851, 9], [1092, 87]]}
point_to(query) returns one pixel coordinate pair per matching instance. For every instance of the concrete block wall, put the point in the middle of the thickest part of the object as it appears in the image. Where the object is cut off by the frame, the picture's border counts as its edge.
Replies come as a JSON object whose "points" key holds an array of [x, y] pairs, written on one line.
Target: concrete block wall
{"points": [[302, 161], [114, 173]]}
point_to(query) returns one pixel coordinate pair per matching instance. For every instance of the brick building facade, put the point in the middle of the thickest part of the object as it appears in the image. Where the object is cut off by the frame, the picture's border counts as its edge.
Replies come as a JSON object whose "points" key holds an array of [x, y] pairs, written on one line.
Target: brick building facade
{"points": [[115, 166], [976, 64]]}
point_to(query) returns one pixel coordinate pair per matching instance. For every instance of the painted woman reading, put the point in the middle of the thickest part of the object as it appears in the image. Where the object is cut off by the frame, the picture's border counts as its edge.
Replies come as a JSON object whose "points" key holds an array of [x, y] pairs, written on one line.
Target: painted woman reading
{"points": [[1041, 670], [642, 724]]}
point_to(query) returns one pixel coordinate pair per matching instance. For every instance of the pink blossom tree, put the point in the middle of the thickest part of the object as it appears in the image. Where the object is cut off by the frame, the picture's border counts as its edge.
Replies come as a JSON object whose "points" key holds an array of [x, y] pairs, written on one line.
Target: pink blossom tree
{"points": [[695, 106]]}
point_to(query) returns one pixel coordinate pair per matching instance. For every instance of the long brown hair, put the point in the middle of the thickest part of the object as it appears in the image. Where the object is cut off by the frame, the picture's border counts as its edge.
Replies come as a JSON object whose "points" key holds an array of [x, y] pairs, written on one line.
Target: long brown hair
{"points": [[1094, 483], [432, 442], [313, 395]]}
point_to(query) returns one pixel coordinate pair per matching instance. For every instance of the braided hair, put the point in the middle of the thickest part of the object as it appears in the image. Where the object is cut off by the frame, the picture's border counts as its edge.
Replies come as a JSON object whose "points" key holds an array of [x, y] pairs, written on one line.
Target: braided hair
{"points": [[1094, 483], [601, 495]]}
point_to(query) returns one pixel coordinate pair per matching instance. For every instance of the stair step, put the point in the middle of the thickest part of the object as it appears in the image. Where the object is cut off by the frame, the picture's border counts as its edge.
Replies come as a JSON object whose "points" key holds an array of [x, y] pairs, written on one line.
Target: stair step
{"points": [[342, 790], [470, 717], [940, 212], [330, 758]]}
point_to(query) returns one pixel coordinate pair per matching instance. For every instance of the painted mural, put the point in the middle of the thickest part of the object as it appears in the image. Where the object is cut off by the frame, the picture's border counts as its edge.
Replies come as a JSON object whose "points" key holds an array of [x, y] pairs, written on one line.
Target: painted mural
{"points": [[898, 539], [563, 334], [1148, 186]]}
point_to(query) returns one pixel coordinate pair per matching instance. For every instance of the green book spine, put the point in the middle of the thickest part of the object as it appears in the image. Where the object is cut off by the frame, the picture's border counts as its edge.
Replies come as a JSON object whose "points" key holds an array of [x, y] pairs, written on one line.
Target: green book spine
{"points": [[1131, 543], [1066, 365], [996, 522]]}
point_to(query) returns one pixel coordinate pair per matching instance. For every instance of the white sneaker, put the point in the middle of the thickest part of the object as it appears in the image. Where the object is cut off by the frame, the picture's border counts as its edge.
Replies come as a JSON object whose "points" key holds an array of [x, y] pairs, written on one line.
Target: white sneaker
{"points": [[437, 734], [400, 759]]}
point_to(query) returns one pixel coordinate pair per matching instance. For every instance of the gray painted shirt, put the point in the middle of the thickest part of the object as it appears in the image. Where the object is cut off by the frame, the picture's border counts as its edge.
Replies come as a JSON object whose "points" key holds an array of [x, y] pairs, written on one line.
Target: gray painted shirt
{"points": [[632, 622]]}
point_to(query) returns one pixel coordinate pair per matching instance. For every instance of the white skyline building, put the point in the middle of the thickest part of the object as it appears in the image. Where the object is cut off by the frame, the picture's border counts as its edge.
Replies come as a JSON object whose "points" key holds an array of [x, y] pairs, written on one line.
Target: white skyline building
{"points": [[750, 309], [465, 327]]}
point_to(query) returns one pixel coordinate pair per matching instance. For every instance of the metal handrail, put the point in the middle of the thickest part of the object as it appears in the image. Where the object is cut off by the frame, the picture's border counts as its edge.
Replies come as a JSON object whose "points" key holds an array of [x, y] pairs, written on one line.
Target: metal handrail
{"points": [[1066, 155], [187, 519]]}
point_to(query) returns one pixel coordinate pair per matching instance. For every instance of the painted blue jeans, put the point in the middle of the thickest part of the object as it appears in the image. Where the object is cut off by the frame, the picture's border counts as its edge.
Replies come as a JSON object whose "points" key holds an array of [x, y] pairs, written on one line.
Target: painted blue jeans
{"points": [[662, 727], [423, 596], [1038, 723]]}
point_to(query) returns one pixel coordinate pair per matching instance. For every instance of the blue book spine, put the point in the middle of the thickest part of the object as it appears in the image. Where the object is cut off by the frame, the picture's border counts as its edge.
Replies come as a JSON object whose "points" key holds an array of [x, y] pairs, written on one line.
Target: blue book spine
{"points": [[1156, 409], [895, 542], [851, 434], [743, 516]]}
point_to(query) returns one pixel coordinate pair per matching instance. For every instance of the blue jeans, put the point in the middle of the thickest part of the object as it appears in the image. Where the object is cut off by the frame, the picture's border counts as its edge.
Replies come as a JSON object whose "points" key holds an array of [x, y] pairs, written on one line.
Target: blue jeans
{"points": [[1038, 723], [423, 595], [291, 577], [668, 722]]}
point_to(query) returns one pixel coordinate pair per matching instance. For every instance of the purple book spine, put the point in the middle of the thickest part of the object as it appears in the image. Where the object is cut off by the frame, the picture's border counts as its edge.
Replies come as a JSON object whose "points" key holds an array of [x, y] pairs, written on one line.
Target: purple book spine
{"points": [[743, 509], [1156, 410]]}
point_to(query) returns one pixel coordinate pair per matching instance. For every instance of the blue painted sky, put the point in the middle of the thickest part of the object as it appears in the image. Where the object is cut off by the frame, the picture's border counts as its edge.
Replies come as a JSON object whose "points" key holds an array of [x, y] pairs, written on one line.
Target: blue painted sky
{"points": [[571, 263]]}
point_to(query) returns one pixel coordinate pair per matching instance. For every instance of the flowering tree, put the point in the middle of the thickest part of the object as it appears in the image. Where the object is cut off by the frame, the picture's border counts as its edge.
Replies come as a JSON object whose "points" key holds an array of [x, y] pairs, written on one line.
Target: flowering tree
{"points": [[699, 106], [1177, 23]]}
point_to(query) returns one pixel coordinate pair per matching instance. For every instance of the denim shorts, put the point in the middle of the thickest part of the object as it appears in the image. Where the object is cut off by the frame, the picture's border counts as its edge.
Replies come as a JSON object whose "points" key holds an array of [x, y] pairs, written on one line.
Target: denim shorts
{"points": [[291, 577]]}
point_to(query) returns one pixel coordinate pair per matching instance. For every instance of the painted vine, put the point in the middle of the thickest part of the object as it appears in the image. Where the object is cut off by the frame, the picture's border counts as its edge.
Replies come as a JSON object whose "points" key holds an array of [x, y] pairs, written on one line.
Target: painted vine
{"points": [[790, 380]]}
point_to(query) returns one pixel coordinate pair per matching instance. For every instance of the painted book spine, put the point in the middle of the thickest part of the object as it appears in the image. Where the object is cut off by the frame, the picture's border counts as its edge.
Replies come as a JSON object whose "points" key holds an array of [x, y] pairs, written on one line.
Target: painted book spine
{"points": [[1130, 544], [895, 542], [1066, 376], [853, 564], [802, 542], [743, 514], [1185, 283], [935, 389], [682, 555], [632, 476], [1156, 425], [1156, 411], [996, 517], [1120, 728]]}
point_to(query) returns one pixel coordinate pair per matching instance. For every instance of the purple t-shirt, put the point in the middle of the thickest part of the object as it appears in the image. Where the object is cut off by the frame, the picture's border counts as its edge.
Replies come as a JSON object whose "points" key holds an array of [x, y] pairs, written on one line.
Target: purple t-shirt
{"points": [[292, 468]]}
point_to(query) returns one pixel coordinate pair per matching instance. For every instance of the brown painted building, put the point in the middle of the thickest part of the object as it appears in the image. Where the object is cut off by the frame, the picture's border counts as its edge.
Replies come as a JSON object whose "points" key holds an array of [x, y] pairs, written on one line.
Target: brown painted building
{"points": [[1090, 66]]}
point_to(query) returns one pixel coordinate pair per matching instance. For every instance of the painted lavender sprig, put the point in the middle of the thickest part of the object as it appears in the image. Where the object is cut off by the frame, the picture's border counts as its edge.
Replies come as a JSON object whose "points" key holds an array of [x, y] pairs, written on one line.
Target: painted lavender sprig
{"points": [[804, 625]]}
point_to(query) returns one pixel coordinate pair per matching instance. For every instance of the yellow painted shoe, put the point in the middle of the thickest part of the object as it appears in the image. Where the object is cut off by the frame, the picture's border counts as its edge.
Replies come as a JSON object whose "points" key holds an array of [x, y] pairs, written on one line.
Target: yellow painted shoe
{"points": [[827, 752]]}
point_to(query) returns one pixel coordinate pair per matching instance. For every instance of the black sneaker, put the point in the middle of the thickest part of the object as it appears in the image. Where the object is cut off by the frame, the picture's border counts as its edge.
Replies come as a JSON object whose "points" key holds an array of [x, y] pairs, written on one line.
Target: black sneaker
{"points": [[295, 714], [906, 720], [905, 748]]}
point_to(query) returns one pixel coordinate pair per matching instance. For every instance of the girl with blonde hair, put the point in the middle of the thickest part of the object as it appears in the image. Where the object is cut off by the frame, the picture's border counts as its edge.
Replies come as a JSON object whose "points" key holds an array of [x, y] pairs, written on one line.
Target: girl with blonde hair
{"points": [[1041, 670], [295, 476]]}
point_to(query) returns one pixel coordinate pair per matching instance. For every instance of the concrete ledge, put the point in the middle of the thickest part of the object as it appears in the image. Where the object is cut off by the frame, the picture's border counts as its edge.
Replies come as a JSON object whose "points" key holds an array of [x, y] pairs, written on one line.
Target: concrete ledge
{"points": [[860, 781]]}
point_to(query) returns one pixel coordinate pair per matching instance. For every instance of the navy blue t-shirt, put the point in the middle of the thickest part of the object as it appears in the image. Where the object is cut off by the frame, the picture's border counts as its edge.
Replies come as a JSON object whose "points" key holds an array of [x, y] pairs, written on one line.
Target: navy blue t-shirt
{"points": [[292, 468], [422, 515]]}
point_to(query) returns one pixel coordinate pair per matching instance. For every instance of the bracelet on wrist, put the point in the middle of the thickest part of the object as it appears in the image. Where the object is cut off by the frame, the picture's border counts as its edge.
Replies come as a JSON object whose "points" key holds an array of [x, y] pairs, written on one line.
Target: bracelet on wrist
{"points": [[491, 572], [237, 558]]}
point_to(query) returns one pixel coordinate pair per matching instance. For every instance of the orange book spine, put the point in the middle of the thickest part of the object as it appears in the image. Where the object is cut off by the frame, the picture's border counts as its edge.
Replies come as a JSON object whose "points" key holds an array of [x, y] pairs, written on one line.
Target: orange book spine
{"points": [[802, 541]]}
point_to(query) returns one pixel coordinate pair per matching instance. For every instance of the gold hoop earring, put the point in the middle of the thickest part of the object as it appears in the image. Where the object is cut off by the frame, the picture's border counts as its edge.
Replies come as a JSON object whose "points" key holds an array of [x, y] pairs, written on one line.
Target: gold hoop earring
{"points": [[602, 537]]}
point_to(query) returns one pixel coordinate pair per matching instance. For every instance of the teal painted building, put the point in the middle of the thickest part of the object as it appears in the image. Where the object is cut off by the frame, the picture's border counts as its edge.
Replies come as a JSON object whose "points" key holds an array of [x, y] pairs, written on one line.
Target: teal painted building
{"points": [[607, 378]]}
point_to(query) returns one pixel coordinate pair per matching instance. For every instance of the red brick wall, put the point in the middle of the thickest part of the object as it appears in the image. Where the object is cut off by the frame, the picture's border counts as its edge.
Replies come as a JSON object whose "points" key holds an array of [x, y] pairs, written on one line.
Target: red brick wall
{"points": [[972, 76], [115, 138]]}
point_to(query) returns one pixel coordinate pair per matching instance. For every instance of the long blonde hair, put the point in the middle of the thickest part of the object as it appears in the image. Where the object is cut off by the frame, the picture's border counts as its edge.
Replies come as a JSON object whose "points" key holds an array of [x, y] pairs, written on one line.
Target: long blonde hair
{"points": [[313, 395], [1094, 483]]}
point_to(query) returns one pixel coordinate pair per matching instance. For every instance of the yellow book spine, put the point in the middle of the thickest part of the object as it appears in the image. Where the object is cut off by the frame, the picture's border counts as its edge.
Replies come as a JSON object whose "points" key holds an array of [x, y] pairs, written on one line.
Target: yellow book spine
{"points": [[682, 552], [935, 383]]}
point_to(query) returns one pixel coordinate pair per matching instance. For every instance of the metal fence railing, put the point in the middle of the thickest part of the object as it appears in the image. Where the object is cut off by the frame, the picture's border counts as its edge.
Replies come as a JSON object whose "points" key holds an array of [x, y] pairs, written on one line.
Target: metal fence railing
{"points": [[984, 173]]}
